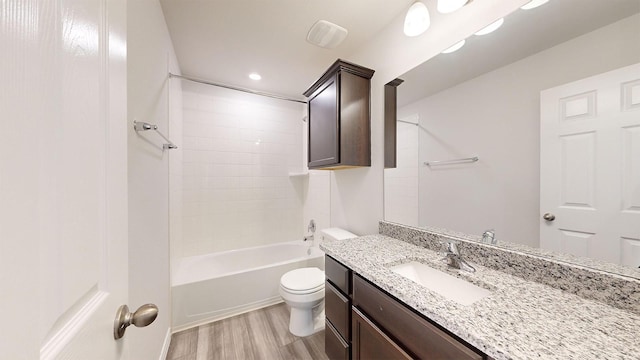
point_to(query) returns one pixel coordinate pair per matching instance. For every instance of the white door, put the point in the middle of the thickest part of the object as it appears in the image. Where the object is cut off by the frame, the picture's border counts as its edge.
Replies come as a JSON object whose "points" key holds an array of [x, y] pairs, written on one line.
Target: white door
{"points": [[63, 179], [590, 167]]}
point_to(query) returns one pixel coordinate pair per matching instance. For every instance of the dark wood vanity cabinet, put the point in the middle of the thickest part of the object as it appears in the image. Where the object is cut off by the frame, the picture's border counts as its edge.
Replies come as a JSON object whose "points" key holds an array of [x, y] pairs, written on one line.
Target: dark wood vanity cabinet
{"points": [[415, 334], [337, 307], [339, 118], [369, 342], [364, 322], [391, 123]]}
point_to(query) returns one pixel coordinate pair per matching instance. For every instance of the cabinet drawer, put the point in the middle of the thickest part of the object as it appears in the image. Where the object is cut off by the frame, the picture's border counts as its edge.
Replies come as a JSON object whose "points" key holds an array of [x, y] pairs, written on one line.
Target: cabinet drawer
{"points": [[337, 309], [369, 342], [338, 274], [423, 339], [334, 345]]}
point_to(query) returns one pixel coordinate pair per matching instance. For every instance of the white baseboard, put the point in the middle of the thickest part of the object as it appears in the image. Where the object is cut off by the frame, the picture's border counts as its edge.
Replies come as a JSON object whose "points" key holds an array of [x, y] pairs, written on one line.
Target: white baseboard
{"points": [[165, 346], [227, 313]]}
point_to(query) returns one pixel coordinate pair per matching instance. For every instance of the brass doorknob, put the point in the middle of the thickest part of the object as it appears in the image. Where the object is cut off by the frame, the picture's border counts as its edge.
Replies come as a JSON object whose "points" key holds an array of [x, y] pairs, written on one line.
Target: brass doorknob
{"points": [[549, 217], [142, 317]]}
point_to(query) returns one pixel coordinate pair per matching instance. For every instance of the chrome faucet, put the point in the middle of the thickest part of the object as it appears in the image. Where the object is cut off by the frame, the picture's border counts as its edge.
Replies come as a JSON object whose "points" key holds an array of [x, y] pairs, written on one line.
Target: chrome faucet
{"points": [[312, 229], [489, 237], [454, 259]]}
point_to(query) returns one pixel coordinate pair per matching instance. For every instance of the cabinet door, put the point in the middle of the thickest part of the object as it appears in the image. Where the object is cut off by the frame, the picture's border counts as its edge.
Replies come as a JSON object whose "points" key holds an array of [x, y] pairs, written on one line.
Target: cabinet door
{"points": [[371, 343], [337, 309], [324, 131], [417, 335], [335, 346]]}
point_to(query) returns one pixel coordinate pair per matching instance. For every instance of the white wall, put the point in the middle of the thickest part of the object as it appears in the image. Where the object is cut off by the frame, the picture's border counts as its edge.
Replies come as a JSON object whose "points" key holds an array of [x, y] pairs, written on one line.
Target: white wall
{"points": [[499, 121], [401, 184], [357, 195], [238, 152], [151, 95]]}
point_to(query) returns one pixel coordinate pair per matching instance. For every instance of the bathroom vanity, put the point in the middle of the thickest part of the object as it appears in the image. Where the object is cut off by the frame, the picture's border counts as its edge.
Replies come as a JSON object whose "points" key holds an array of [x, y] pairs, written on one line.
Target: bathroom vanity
{"points": [[377, 325], [375, 312]]}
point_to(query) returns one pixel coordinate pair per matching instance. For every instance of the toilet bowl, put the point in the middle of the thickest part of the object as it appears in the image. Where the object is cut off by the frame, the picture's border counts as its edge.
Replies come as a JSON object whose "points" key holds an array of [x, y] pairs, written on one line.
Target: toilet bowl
{"points": [[303, 290]]}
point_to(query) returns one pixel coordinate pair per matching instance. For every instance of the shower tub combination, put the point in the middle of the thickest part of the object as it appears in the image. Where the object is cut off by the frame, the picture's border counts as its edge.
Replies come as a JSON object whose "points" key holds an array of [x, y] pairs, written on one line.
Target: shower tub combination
{"points": [[211, 287]]}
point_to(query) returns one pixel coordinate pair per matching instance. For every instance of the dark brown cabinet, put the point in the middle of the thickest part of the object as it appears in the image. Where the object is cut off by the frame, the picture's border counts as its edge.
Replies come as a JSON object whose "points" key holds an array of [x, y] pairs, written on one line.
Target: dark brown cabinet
{"points": [[339, 118], [381, 327], [369, 342], [391, 123], [337, 307], [417, 335]]}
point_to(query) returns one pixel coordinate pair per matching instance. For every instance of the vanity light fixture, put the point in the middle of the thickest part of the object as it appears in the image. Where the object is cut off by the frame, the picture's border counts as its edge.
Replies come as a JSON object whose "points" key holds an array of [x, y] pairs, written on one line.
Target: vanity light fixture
{"points": [[417, 19], [455, 47], [491, 27], [255, 76], [449, 6], [533, 4]]}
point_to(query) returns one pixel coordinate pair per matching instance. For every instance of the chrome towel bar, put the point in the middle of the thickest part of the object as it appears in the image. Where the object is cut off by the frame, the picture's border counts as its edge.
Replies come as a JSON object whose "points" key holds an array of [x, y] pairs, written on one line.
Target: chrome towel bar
{"points": [[143, 126], [450, 162]]}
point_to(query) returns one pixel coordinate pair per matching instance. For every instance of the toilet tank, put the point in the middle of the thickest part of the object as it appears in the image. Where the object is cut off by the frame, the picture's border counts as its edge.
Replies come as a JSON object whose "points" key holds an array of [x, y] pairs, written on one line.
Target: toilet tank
{"points": [[336, 234]]}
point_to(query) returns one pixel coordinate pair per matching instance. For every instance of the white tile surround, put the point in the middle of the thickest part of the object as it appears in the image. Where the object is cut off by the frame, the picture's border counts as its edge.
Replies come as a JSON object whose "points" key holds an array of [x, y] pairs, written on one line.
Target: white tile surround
{"points": [[401, 183], [317, 200], [238, 151]]}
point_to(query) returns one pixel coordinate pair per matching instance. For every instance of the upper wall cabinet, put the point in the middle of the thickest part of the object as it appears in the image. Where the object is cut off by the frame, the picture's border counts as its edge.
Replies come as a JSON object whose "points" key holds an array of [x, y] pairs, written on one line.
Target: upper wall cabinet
{"points": [[390, 122], [339, 118]]}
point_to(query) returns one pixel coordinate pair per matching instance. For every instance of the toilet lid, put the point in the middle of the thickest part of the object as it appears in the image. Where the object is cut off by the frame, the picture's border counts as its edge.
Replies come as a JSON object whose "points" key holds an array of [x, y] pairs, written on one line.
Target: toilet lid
{"points": [[303, 280]]}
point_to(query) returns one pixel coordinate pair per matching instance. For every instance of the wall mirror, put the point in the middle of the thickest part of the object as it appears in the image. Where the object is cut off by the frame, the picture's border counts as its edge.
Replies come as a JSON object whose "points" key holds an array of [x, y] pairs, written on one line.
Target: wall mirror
{"points": [[529, 101]]}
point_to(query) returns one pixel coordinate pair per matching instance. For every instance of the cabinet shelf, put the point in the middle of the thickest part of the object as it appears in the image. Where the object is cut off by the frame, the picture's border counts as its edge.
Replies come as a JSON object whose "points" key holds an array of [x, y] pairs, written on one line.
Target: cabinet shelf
{"points": [[298, 174]]}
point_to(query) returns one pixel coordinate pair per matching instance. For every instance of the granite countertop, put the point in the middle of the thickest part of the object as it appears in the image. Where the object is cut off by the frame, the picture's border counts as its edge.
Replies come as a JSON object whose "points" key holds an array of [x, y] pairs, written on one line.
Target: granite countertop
{"points": [[519, 320]]}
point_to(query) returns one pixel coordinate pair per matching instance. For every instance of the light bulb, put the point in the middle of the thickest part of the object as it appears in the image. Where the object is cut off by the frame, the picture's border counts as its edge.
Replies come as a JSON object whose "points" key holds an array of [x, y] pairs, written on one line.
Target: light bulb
{"points": [[455, 47], [255, 76], [491, 27], [533, 4], [417, 20]]}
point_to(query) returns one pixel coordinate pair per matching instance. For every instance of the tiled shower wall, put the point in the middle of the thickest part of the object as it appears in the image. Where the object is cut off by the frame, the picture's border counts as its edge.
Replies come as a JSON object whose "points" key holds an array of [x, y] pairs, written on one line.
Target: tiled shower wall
{"points": [[238, 151], [401, 183]]}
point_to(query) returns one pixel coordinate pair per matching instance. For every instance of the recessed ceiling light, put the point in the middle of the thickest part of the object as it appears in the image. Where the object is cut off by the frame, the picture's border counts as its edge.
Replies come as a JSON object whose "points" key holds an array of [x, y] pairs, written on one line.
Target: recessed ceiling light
{"points": [[455, 47], [449, 6], [417, 20], [491, 27], [255, 76], [533, 4]]}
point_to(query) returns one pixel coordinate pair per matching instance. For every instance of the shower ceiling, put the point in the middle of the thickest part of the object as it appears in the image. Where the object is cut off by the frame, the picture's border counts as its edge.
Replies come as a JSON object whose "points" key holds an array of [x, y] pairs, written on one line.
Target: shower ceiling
{"points": [[225, 40]]}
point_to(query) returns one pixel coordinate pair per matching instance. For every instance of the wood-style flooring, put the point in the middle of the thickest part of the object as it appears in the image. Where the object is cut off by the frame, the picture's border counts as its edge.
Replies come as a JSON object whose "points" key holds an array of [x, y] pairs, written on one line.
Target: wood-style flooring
{"points": [[260, 334]]}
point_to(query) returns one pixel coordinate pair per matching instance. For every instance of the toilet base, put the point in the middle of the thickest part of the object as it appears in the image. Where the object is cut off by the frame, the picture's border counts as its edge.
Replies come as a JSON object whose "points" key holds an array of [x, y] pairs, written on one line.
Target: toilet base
{"points": [[306, 322]]}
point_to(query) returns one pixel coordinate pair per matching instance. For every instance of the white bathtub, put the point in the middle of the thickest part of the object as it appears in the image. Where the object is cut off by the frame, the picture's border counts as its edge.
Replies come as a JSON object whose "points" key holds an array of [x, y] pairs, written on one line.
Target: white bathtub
{"points": [[210, 287]]}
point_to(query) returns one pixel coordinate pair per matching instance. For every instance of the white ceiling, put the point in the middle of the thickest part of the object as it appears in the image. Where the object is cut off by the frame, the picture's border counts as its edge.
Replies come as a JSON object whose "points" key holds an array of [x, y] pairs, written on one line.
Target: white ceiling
{"points": [[225, 40]]}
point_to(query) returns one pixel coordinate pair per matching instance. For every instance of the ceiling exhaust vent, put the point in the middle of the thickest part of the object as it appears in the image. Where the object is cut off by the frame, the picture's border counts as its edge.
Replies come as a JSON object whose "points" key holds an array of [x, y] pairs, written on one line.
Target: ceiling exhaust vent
{"points": [[326, 34]]}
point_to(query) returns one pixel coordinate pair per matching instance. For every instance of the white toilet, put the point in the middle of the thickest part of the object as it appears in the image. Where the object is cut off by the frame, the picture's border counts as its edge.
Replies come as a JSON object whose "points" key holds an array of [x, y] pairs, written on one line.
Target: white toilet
{"points": [[303, 290]]}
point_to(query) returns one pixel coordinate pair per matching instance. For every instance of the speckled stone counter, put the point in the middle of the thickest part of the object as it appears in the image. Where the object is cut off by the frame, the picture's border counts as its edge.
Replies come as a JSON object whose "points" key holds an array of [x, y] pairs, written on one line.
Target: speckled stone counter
{"points": [[611, 284], [520, 319]]}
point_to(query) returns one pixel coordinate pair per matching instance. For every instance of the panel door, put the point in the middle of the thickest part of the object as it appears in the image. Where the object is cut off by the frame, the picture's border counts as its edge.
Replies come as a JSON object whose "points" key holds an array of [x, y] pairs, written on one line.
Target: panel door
{"points": [[63, 179], [590, 167], [324, 131], [370, 343]]}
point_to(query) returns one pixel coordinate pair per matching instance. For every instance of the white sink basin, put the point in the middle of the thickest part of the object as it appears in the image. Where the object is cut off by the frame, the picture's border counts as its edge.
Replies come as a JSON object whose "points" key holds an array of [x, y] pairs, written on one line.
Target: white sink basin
{"points": [[449, 286]]}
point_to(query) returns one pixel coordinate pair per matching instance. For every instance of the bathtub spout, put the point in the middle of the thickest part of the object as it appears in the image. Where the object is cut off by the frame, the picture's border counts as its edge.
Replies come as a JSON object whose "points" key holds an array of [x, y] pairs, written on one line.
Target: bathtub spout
{"points": [[310, 237]]}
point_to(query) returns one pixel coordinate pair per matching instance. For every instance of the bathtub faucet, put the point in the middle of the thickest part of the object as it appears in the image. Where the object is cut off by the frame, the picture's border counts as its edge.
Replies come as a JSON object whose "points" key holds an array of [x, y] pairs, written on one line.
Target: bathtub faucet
{"points": [[311, 228]]}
